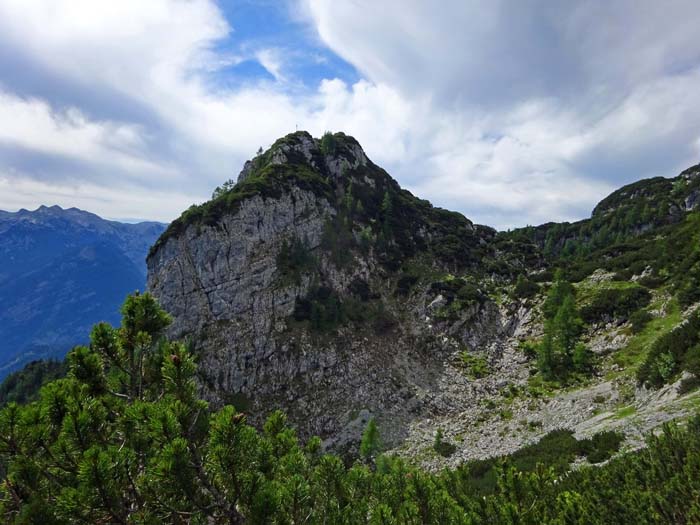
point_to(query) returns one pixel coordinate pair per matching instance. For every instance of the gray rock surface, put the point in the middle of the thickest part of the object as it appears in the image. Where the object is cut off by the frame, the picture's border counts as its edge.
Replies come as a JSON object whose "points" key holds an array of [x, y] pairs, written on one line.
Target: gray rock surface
{"points": [[225, 292]]}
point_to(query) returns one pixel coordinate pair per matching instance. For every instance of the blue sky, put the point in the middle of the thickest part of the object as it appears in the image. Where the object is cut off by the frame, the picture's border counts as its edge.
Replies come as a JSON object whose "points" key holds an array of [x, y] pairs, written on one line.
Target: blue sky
{"points": [[513, 113]]}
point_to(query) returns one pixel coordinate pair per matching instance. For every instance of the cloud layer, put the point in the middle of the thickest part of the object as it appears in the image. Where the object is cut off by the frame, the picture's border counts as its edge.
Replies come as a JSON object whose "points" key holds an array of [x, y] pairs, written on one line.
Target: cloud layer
{"points": [[513, 113]]}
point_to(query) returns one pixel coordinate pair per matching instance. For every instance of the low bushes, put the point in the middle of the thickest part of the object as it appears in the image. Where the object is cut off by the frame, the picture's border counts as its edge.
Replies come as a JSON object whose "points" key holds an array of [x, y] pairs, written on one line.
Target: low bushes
{"points": [[615, 303], [672, 352]]}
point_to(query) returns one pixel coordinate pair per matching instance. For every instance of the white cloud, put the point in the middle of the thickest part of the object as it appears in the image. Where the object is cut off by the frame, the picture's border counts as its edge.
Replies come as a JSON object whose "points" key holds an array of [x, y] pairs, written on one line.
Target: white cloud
{"points": [[126, 199], [513, 113], [32, 125], [272, 60], [528, 111]]}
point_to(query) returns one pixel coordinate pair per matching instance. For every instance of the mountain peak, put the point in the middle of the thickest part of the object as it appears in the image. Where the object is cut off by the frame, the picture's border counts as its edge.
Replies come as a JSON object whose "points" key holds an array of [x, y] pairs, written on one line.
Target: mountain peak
{"points": [[331, 154], [333, 172]]}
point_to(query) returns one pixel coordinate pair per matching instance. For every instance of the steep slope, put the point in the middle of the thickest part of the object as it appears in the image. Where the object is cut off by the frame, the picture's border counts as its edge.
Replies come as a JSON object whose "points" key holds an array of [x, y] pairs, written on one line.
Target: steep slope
{"points": [[319, 286], [60, 272]]}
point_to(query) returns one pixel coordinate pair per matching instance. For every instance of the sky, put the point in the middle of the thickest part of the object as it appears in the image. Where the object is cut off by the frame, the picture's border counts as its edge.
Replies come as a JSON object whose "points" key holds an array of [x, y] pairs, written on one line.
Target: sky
{"points": [[512, 113]]}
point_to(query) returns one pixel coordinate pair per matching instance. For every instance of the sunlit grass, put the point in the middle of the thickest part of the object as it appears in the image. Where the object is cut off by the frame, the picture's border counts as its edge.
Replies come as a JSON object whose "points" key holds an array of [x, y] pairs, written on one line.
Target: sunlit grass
{"points": [[625, 412], [631, 356]]}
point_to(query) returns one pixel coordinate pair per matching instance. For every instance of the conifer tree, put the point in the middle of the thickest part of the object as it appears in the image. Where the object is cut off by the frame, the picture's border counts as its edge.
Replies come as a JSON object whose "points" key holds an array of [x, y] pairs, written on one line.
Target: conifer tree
{"points": [[371, 443], [562, 329], [387, 215]]}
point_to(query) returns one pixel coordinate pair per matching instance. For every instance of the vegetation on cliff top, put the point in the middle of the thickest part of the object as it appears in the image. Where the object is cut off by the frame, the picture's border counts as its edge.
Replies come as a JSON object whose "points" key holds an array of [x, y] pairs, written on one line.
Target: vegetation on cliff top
{"points": [[366, 199], [631, 211]]}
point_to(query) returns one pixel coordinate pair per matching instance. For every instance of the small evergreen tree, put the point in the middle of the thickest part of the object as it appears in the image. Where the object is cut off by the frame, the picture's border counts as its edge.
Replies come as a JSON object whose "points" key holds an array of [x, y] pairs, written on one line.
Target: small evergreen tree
{"points": [[370, 444], [525, 288], [225, 187], [562, 329], [566, 328], [582, 358], [545, 357], [328, 143], [442, 447], [557, 293], [387, 215]]}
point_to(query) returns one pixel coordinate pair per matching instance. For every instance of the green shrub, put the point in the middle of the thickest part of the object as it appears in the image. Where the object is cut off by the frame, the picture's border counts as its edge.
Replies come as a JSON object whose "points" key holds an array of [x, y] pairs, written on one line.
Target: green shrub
{"points": [[691, 360], [325, 311], [442, 447], [225, 187], [459, 295], [525, 288], [328, 144], [615, 303], [639, 320], [293, 260], [506, 414], [370, 445], [555, 450], [667, 354], [688, 385], [476, 366], [405, 283], [338, 241], [582, 358], [604, 445], [529, 348], [323, 308]]}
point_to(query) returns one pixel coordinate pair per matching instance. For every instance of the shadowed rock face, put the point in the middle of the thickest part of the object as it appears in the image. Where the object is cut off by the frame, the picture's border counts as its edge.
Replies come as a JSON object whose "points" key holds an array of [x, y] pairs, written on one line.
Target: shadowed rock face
{"points": [[355, 323]]}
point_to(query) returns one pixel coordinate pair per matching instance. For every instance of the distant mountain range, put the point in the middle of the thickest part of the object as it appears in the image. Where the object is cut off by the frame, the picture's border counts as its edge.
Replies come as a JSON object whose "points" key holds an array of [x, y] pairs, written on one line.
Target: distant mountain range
{"points": [[61, 271]]}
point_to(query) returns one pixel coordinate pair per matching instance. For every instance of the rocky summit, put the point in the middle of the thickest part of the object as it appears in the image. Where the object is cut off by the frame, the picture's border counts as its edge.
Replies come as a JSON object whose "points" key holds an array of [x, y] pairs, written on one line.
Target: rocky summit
{"points": [[317, 285]]}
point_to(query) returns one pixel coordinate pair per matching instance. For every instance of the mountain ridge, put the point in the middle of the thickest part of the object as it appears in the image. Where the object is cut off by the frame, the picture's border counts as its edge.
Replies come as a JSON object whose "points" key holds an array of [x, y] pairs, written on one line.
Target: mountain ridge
{"points": [[63, 270]]}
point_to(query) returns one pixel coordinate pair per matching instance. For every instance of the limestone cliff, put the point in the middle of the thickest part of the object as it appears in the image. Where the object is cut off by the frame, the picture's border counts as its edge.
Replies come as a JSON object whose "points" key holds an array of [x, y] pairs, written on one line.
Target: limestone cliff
{"points": [[319, 286]]}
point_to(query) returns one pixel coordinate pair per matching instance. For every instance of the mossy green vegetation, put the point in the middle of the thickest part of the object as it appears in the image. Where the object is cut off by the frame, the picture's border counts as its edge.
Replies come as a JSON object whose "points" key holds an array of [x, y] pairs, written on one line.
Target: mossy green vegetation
{"points": [[294, 260], [475, 366], [674, 351], [632, 355], [625, 412], [124, 438], [612, 300]]}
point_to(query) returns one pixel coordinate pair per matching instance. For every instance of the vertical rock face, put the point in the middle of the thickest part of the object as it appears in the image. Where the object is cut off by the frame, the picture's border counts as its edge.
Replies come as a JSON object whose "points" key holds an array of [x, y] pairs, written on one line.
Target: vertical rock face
{"points": [[320, 287]]}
